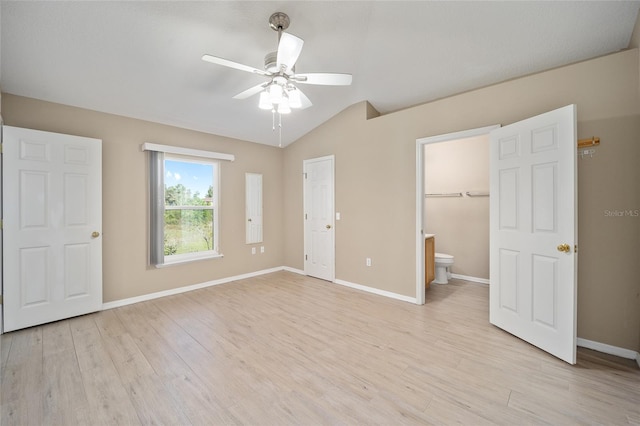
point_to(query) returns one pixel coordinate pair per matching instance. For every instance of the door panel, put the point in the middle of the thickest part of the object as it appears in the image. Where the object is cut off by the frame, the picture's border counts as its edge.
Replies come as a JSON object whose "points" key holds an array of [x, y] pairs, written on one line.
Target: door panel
{"points": [[533, 290], [319, 214], [253, 207], [34, 276], [53, 203]]}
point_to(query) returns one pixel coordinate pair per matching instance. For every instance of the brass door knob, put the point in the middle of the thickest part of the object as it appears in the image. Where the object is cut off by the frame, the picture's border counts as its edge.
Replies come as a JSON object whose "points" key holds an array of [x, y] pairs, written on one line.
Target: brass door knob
{"points": [[95, 234], [565, 248], [328, 226]]}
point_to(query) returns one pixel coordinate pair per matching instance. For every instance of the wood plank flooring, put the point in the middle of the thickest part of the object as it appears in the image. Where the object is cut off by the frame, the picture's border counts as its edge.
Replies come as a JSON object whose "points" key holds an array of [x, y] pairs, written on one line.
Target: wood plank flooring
{"points": [[287, 349]]}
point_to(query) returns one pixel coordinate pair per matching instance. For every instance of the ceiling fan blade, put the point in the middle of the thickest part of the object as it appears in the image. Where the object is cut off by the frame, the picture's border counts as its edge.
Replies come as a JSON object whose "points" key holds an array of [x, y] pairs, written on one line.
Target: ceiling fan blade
{"points": [[306, 103], [251, 91], [323, 78], [231, 64], [289, 50]]}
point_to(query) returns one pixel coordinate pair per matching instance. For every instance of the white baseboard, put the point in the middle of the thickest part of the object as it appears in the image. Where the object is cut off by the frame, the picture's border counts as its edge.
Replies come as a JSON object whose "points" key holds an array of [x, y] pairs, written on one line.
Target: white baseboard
{"points": [[361, 287], [151, 296], [376, 291], [472, 279], [609, 349], [294, 270]]}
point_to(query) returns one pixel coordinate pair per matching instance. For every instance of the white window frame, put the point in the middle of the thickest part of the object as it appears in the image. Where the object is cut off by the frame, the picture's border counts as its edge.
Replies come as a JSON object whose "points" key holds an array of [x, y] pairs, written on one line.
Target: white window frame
{"points": [[205, 254], [157, 206]]}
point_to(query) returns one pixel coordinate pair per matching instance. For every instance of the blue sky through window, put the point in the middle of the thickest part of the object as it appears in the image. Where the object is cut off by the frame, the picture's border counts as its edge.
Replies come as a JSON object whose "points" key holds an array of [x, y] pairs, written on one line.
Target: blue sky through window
{"points": [[194, 176]]}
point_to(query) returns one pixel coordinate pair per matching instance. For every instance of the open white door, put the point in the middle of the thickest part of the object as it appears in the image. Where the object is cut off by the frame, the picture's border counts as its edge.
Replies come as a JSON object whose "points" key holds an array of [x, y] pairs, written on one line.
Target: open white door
{"points": [[533, 290], [319, 246], [52, 222]]}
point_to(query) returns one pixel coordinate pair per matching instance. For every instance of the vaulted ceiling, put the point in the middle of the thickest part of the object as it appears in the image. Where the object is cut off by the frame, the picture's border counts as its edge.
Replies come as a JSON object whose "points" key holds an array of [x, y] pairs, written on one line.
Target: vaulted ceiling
{"points": [[143, 59]]}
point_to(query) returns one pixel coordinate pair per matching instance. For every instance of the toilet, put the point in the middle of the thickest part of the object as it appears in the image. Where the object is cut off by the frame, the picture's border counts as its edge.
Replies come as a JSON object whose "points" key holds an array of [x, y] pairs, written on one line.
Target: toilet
{"points": [[443, 268]]}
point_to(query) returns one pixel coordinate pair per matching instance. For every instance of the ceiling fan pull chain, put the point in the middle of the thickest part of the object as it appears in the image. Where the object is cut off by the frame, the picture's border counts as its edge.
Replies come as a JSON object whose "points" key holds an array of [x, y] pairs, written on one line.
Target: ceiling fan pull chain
{"points": [[280, 128]]}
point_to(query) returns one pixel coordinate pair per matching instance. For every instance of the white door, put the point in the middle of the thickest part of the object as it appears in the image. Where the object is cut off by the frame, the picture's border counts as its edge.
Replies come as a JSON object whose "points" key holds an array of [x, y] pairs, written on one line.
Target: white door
{"points": [[319, 247], [533, 289], [253, 207], [52, 223]]}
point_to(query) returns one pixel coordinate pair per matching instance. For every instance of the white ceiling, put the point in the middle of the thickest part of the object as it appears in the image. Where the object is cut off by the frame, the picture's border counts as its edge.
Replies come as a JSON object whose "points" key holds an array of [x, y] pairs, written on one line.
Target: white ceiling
{"points": [[142, 59]]}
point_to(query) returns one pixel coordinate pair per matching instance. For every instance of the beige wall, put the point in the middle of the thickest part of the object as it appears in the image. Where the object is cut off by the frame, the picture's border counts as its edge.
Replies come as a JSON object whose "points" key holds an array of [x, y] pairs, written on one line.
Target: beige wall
{"points": [[609, 244], [375, 181], [461, 224], [125, 270], [635, 43]]}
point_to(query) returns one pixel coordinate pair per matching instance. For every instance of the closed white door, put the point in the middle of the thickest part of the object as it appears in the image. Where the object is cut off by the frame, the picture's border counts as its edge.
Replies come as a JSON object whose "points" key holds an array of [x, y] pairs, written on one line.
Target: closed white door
{"points": [[533, 290], [253, 206], [319, 246], [52, 217]]}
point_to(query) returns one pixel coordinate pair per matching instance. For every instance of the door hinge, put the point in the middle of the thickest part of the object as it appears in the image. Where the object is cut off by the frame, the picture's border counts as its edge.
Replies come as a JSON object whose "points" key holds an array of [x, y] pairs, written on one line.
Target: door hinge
{"points": [[1, 301], [305, 175], [575, 248], [305, 257], [305, 216], [1, 224]]}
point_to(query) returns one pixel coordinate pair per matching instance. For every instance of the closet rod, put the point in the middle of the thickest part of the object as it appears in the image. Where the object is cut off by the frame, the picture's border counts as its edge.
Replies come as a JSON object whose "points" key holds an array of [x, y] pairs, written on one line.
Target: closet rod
{"points": [[446, 194], [477, 194]]}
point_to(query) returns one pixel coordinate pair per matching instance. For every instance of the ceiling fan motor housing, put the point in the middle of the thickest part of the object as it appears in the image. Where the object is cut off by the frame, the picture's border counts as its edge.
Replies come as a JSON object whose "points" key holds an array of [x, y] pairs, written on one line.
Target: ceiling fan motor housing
{"points": [[279, 21], [271, 62]]}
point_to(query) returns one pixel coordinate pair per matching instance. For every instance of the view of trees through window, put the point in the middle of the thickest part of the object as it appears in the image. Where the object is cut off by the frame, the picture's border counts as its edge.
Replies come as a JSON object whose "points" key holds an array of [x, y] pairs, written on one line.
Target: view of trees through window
{"points": [[189, 207]]}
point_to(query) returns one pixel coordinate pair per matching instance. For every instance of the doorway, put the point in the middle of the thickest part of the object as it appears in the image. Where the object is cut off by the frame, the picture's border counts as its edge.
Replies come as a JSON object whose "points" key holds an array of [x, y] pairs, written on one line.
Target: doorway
{"points": [[319, 215], [420, 194], [456, 204]]}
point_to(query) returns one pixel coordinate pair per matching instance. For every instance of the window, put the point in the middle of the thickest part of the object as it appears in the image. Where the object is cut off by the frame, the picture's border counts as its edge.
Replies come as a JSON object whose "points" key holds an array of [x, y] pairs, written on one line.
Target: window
{"points": [[190, 208], [184, 204]]}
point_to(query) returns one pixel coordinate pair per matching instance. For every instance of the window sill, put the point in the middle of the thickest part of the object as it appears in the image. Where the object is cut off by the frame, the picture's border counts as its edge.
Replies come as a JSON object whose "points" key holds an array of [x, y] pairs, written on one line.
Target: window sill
{"points": [[189, 259]]}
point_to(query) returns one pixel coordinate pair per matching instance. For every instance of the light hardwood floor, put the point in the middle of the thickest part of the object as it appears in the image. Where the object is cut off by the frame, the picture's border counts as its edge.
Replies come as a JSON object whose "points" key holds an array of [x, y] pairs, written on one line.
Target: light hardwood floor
{"points": [[287, 349]]}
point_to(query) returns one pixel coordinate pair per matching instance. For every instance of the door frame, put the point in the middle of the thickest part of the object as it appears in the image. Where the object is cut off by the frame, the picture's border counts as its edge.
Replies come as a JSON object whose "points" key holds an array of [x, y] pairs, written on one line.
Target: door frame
{"points": [[331, 157], [1, 241], [420, 143]]}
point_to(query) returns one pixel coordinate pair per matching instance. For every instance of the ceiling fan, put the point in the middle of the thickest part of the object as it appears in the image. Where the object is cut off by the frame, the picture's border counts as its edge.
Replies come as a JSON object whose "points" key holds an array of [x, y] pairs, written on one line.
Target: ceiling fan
{"points": [[280, 94]]}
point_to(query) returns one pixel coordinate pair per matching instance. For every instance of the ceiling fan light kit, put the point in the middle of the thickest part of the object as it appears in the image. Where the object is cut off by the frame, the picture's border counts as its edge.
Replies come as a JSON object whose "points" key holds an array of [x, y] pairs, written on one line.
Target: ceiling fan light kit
{"points": [[280, 94]]}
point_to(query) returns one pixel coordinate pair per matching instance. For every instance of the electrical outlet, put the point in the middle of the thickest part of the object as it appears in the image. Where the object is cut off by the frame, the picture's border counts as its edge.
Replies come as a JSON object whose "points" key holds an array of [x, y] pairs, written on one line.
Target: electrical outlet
{"points": [[253, 250], [261, 249], [368, 261]]}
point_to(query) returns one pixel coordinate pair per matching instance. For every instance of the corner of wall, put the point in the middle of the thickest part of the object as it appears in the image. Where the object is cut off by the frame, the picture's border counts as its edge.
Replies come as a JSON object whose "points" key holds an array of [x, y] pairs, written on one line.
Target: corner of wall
{"points": [[635, 36], [371, 111], [634, 43]]}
